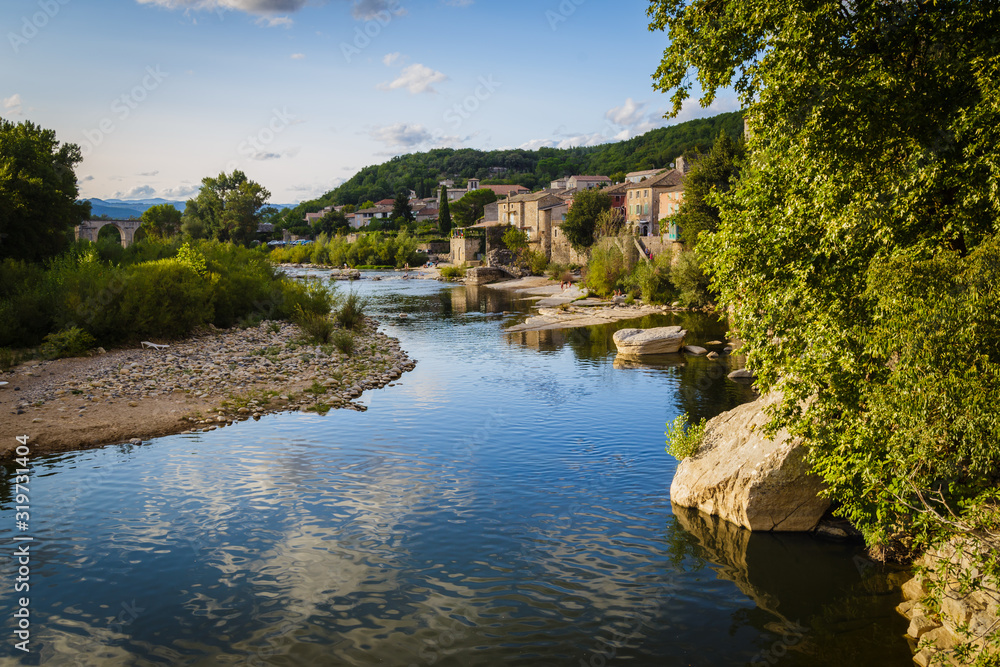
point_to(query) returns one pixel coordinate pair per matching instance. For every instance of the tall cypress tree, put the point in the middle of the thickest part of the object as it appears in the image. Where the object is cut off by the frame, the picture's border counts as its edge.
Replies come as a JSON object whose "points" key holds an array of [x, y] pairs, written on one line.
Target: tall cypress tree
{"points": [[444, 214]]}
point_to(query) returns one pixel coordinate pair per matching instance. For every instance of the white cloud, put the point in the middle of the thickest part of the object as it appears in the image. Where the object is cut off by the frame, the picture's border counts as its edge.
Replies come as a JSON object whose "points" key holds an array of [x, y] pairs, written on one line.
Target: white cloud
{"points": [[629, 113], [269, 11], [298, 56], [274, 21], [411, 137], [183, 191], [416, 78], [401, 134], [149, 173], [12, 104], [138, 192], [390, 58]]}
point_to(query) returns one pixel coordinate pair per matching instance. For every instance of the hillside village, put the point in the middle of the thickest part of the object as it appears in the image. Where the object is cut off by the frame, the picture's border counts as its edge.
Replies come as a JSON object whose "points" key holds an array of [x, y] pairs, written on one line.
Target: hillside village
{"points": [[645, 200]]}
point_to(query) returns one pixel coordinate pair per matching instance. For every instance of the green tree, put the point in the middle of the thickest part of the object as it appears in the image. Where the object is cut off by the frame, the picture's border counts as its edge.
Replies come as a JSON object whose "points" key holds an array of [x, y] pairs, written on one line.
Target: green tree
{"points": [[334, 222], [444, 213], [515, 239], [471, 207], [401, 210], [366, 205], [583, 215], [228, 208], [38, 192], [711, 175], [161, 221], [859, 249]]}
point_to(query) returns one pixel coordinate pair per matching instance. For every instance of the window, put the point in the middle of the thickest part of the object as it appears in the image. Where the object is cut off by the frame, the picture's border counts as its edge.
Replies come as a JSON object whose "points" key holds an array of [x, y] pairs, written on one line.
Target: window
{"points": [[646, 211]]}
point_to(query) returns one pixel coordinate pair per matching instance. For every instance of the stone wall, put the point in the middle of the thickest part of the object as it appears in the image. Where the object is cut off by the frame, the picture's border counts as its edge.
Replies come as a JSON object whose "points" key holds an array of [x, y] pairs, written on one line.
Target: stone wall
{"points": [[484, 275], [938, 633], [563, 252], [463, 250]]}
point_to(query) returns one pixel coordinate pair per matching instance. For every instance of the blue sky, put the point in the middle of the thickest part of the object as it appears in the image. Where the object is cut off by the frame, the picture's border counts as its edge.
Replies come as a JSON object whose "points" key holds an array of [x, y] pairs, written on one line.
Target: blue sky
{"points": [[300, 94]]}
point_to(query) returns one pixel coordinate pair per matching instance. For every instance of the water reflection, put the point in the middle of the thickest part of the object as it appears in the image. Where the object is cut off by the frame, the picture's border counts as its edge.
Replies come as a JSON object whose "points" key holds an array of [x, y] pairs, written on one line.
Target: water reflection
{"points": [[505, 504], [814, 604]]}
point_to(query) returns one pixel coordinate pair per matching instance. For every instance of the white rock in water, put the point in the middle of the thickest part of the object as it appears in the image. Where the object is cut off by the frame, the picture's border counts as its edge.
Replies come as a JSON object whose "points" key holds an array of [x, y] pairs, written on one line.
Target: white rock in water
{"points": [[744, 477], [659, 340]]}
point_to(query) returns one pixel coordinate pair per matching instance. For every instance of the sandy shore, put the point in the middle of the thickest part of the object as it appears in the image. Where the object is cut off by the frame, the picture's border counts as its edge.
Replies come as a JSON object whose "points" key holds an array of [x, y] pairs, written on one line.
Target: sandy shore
{"points": [[560, 308], [202, 383]]}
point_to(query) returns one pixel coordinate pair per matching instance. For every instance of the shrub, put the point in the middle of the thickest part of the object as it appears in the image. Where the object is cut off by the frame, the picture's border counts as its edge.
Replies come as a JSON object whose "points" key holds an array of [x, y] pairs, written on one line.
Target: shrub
{"points": [[165, 298], [454, 272], [351, 313], [72, 342], [536, 262], [317, 328], [343, 340], [689, 279], [8, 359], [609, 265], [652, 279], [683, 440]]}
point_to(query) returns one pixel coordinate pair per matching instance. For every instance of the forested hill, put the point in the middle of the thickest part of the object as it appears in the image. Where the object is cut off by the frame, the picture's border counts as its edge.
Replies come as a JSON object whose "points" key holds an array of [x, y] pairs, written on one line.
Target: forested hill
{"points": [[533, 169]]}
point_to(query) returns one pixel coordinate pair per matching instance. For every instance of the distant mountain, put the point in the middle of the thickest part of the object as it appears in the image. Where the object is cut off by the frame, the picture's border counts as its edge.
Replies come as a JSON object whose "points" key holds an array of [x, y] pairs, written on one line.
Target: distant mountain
{"points": [[122, 209], [125, 209]]}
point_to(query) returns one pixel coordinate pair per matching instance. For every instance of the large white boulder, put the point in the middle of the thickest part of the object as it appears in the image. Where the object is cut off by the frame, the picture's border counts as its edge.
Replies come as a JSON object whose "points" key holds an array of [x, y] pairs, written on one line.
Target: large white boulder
{"points": [[743, 476], [659, 340]]}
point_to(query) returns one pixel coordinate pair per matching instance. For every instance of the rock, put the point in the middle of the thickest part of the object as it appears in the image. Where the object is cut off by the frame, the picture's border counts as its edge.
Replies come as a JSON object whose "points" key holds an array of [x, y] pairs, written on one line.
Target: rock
{"points": [[749, 479], [658, 340], [919, 625], [694, 349], [714, 342], [914, 589], [135, 441], [741, 374], [712, 355]]}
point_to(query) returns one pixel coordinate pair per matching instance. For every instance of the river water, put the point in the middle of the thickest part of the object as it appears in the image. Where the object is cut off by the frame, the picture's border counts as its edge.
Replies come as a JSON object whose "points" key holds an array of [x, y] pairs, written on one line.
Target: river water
{"points": [[506, 504]]}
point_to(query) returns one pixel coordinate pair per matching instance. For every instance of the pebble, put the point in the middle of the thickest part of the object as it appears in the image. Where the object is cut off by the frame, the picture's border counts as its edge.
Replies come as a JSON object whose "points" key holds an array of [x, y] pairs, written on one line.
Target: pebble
{"points": [[215, 365]]}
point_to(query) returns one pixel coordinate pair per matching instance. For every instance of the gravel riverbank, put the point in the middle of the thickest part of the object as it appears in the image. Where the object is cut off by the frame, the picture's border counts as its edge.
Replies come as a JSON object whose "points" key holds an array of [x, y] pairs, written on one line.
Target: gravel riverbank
{"points": [[214, 379]]}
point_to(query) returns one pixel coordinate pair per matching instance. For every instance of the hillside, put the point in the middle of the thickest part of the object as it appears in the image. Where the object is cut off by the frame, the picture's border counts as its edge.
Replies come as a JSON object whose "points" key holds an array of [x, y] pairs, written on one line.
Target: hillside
{"points": [[121, 209], [531, 168]]}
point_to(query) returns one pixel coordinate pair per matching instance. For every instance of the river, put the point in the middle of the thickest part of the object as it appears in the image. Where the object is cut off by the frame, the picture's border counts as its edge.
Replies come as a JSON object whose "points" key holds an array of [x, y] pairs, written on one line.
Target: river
{"points": [[506, 503]]}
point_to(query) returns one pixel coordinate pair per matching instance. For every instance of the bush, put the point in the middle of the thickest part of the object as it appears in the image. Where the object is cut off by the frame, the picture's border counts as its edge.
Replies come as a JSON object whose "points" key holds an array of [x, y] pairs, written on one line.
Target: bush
{"points": [[317, 328], [652, 279], [72, 342], [351, 313], [689, 279], [537, 262], [343, 340], [608, 267], [165, 298], [8, 359], [683, 440], [454, 272]]}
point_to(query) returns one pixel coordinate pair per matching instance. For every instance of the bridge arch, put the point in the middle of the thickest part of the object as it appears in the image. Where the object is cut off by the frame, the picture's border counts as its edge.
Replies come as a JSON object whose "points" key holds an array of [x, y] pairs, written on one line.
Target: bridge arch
{"points": [[89, 229]]}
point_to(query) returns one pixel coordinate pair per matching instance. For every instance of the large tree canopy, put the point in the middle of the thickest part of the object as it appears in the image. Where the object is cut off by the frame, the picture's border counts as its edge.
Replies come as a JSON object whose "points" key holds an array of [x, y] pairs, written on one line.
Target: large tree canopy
{"points": [[581, 220], [38, 192], [228, 207], [161, 220], [860, 244], [472, 206]]}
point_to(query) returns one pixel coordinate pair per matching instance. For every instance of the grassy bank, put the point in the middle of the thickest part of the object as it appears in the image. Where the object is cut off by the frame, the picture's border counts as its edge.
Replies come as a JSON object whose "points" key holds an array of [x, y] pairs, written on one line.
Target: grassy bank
{"points": [[102, 294], [375, 249]]}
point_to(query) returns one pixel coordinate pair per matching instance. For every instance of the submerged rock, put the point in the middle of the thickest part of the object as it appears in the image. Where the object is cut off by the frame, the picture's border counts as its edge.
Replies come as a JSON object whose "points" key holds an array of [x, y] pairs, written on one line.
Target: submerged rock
{"points": [[659, 340], [743, 476]]}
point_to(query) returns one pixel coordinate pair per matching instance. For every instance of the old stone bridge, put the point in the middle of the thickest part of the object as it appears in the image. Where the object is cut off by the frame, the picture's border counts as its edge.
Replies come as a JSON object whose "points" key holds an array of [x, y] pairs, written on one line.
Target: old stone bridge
{"points": [[89, 229]]}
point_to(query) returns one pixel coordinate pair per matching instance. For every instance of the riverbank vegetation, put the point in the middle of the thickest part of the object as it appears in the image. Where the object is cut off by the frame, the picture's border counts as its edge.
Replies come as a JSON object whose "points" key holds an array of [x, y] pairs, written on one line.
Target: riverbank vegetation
{"points": [[859, 250], [374, 249], [103, 294]]}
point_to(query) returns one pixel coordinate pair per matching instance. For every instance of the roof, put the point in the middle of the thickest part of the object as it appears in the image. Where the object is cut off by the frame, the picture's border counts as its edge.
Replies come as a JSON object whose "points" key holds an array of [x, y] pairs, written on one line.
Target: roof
{"points": [[504, 190], [647, 172], [664, 180], [591, 178], [617, 189], [385, 202], [531, 196]]}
